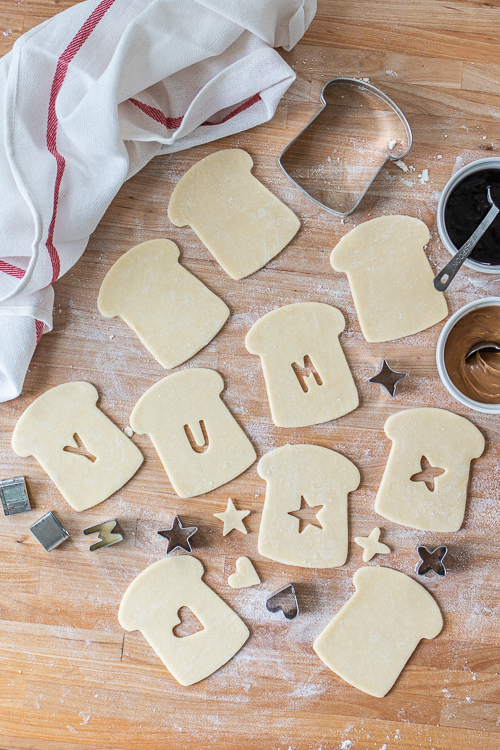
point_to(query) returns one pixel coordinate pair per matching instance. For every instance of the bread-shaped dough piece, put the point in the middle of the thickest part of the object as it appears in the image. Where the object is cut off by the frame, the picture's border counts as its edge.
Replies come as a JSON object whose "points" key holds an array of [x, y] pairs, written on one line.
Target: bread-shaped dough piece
{"points": [[390, 277], [199, 442], [307, 377], [169, 309], [448, 442], [371, 638], [152, 602], [234, 215], [51, 424], [318, 476]]}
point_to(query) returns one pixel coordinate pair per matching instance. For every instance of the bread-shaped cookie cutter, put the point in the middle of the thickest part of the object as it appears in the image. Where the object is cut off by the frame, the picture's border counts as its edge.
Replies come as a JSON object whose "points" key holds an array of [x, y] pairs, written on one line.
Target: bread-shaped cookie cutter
{"points": [[315, 159]]}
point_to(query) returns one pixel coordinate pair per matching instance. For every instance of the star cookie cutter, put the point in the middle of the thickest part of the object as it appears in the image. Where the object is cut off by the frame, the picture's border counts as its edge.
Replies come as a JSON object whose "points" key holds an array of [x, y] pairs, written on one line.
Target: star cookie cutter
{"points": [[178, 536], [388, 378], [284, 600], [336, 157], [431, 561]]}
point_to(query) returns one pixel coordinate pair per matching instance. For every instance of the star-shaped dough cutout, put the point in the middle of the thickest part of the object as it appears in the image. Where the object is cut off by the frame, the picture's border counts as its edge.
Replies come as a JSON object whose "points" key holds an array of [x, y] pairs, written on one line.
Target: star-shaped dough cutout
{"points": [[388, 378], [178, 536], [371, 545], [232, 518]]}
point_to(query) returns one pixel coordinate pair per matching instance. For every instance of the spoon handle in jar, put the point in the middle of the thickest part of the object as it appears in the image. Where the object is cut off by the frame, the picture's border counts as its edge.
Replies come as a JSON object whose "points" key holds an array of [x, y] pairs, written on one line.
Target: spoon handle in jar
{"points": [[444, 278]]}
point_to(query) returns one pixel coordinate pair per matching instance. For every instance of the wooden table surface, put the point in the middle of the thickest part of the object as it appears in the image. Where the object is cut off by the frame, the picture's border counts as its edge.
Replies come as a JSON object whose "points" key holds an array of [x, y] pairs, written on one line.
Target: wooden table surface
{"points": [[70, 677]]}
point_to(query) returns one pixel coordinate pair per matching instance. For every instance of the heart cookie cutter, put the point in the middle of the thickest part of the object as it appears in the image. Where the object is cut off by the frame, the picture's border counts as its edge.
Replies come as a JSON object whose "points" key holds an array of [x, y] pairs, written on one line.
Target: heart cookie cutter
{"points": [[336, 157]]}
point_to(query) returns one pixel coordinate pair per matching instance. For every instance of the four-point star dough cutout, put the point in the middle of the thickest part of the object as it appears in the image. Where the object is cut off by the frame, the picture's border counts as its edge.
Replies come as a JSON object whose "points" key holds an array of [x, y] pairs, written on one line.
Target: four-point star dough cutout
{"points": [[63, 417], [371, 545], [232, 518], [447, 441], [178, 536], [319, 476]]}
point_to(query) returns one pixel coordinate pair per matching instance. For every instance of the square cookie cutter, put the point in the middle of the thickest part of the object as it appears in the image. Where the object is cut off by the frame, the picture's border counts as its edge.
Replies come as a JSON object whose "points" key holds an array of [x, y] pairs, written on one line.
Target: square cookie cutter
{"points": [[336, 157]]}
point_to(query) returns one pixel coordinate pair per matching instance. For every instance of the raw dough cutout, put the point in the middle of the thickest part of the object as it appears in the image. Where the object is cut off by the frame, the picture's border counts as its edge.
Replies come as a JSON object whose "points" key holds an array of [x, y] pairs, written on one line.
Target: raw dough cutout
{"points": [[390, 277], [307, 377], [232, 518], [197, 439], [152, 602], [54, 426], [246, 575], [444, 440], [320, 477], [371, 545], [169, 309], [371, 638], [234, 215]]}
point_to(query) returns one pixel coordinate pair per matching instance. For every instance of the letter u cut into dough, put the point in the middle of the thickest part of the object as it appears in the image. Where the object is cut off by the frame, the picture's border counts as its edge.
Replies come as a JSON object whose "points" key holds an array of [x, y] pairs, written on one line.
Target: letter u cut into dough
{"points": [[49, 425], [234, 215], [307, 377], [199, 442], [390, 277], [448, 442], [152, 602], [319, 476], [371, 638], [170, 310]]}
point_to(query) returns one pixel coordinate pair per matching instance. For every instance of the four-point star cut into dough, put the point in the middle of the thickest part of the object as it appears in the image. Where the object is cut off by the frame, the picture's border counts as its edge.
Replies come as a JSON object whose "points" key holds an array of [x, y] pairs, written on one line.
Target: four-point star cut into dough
{"points": [[233, 519]]}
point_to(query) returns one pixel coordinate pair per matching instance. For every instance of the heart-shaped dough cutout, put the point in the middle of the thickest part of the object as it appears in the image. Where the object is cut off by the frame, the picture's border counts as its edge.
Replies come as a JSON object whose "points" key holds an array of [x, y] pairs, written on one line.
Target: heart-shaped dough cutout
{"points": [[246, 575]]}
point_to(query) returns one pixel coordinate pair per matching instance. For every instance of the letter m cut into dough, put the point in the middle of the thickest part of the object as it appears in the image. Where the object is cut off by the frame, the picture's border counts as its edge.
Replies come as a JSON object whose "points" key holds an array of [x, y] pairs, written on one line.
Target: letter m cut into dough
{"points": [[152, 602], [199, 442], [307, 377], [448, 442]]}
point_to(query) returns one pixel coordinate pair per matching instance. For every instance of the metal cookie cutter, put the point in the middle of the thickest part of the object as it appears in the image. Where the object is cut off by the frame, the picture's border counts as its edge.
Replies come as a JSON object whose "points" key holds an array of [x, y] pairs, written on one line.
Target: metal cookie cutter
{"points": [[106, 536], [431, 561], [49, 531], [284, 600], [337, 156], [14, 495]]}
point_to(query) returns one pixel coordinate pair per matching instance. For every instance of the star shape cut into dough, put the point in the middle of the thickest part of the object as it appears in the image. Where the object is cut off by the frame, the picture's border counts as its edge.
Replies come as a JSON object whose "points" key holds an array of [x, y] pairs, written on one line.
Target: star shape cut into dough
{"points": [[371, 545], [388, 378], [178, 536], [232, 518]]}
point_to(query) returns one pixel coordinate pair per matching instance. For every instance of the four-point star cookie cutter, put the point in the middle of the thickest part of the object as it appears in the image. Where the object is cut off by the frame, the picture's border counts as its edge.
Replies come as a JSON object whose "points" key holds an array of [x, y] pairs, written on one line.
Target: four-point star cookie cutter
{"points": [[336, 157]]}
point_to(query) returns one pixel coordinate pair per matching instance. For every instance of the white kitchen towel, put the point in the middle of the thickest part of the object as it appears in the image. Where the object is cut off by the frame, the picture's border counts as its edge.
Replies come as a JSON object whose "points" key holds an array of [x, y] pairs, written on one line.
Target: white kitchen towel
{"points": [[88, 98]]}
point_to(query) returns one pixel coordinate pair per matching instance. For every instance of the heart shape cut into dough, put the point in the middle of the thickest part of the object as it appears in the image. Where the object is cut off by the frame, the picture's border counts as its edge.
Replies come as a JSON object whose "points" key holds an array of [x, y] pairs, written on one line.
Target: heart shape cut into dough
{"points": [[246, 575]]}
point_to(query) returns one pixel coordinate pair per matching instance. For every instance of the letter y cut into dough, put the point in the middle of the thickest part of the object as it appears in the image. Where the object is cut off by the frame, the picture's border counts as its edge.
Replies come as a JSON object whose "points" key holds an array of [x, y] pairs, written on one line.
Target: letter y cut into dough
{"points": [[390, 277], [152, 602], [169, 309], [448, 442], [238, 219], [371, 638], [47, 430]]}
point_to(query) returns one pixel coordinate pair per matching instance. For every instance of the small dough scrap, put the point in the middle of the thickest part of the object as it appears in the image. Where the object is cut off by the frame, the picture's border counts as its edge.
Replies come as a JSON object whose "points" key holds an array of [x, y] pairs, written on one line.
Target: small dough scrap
{"points": [[390, 277], [371, 545], [246, 575], [307, 376], [232, 518], [448, 442], [371, 638], [50, 424], [239, 220], [152, 602], [170, 310], [321, 477], [199, 442]]}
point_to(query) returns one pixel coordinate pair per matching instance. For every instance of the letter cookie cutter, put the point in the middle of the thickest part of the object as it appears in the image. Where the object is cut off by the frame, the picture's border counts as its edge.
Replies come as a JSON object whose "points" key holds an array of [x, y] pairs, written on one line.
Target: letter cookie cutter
{"points": [[49, 531], [106, 536], [14, 495], [336, 157]]}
